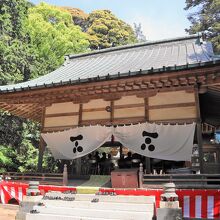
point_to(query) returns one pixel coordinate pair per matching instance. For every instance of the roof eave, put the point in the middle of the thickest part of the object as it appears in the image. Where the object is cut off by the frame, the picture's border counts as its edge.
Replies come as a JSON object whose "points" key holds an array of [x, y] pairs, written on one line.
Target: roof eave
{"points": [[115, 76]]}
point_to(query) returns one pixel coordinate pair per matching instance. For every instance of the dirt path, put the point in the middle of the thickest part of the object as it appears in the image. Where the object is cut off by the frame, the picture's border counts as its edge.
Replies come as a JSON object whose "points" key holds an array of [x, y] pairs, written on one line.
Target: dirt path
{"points": [[8, 212]]}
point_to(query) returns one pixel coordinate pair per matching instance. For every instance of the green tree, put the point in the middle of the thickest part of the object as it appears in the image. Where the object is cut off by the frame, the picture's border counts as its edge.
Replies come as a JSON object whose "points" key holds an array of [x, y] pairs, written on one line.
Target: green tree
{"points": [[12, 15], [16, 58], [104, 28], [19, 139], [53, 35], [79, 17], [33, 41], [205, 18], [7, 155]]}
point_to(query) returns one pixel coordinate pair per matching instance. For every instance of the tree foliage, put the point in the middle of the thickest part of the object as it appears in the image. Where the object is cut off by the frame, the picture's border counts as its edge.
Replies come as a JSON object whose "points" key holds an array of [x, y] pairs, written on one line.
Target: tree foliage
{"points": [[79, 17], [104, 28], [205, 18], [33, 42], [53, 35], [16, 57], [21, 138]]}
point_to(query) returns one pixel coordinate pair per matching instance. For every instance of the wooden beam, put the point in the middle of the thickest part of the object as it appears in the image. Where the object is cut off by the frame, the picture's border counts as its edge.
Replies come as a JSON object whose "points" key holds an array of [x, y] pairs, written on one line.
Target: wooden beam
{"points": [[147, 93], [176, 105], [155, 76], [112, 111], [61, 114], [128, 120], [157, 83], [57, 128], [97, 121], [110, 97], [175, 121], [94, 109], [172, 81], [166, 82], [191, 80], [175, 82], [183, 81], [146, 104], [129, 106], [80, 113]]}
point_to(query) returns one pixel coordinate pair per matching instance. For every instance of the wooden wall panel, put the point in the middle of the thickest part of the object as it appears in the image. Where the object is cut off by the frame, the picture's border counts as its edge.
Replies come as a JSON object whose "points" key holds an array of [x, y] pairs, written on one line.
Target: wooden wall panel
{"points": [[174, 105], [172, 113], [96, 103], [95, 110], [61, 121], [125, 100], [129, 112], [175, 97], [93, 115], [65, 107]]}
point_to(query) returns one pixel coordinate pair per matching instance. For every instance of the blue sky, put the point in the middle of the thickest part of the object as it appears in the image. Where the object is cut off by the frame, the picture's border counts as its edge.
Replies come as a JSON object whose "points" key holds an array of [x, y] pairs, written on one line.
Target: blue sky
{"points": [[160, 19]]}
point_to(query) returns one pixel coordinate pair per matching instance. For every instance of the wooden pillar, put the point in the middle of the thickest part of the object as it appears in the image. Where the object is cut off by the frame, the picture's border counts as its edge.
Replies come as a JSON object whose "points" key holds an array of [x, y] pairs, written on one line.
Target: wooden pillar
{"points": [[200, 145], [146, 113], [121, 151], [147, 165], [78, 165], [112, 111], [78, 161], [42, 146], [199, 131], [147, 159]]}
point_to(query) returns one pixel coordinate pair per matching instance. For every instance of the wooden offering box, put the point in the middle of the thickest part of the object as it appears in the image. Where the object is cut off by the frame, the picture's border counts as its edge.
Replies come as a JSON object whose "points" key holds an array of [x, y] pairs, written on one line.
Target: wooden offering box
{"points": [[124, 178]]}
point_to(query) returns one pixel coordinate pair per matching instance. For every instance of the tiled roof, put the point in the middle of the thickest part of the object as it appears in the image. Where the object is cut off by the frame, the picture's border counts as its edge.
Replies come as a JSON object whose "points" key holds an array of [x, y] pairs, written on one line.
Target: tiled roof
{"points": [[149, 57]]}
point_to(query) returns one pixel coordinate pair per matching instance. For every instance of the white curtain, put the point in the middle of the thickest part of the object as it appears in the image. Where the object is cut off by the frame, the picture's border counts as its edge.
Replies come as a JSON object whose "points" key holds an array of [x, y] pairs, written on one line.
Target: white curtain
{"points": [[77, 142], [168, 142]]}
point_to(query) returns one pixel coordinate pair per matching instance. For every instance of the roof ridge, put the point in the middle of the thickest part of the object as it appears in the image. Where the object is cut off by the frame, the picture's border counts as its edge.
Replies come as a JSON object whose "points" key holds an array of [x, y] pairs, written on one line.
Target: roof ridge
{"points": [[129, 46]]}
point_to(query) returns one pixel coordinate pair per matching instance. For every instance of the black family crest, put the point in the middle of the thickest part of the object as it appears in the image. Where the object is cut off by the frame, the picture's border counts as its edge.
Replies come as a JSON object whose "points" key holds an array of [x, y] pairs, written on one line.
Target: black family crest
{"points": [[75, 140], [148, 140]]}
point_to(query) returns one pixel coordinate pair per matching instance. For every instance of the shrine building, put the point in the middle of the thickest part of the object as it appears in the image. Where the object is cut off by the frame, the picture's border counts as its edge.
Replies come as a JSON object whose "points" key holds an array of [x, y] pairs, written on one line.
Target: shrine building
{"points": [[159, 99]]}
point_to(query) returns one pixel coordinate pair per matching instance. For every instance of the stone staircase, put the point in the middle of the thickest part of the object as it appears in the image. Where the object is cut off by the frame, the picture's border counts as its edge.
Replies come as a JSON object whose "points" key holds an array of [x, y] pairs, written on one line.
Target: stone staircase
{"points": [[60, 206]]}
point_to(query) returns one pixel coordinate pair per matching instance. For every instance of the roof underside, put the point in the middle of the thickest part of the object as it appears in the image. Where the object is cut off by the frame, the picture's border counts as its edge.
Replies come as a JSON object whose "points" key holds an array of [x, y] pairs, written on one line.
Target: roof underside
{"points": [[121, 61], [210, 106]]}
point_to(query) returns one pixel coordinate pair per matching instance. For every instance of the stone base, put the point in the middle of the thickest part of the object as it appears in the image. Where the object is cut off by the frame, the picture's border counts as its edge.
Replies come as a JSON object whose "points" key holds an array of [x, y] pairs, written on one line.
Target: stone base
{"points": [[26, 206], [169, 214], [170, 205]]}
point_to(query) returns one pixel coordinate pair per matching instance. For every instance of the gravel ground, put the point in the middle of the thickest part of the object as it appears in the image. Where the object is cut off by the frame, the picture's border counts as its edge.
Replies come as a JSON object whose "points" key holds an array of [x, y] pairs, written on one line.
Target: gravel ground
{"points": [[8, 212]]}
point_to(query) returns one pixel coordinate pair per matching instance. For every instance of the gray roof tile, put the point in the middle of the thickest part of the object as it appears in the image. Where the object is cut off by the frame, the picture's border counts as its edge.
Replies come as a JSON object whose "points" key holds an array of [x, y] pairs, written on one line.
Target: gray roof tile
{"points": [[145, 56]]}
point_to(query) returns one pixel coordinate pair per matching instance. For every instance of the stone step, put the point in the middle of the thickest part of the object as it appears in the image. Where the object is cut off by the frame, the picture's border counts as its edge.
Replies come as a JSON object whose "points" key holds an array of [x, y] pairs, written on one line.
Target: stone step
{"points": [[116, 198], [101, 205], [104, 198], [84, 212], [64, 217]]}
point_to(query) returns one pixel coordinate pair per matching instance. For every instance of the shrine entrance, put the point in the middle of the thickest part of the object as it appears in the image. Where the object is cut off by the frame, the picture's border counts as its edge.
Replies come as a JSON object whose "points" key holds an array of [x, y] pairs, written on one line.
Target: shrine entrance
{"points": [[101, 149]]}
